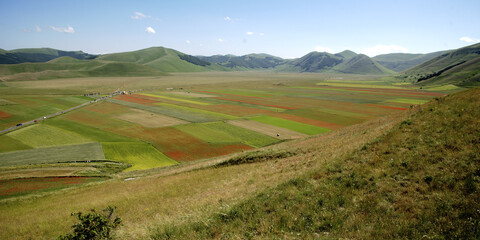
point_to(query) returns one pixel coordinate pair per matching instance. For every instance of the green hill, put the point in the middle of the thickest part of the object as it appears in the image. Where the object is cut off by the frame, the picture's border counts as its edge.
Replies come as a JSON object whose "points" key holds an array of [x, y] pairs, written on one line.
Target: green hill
{"points": [[419, 180], [361, 64], [312, 62], [39, 55], [399, 62], [162, 59], [458, 67], [250, 61], [67, 67], [346, 54]]}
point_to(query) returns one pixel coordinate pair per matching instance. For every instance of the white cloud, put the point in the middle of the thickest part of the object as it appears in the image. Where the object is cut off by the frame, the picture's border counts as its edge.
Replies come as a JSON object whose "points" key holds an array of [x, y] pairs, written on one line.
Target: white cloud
{"points": [[221, 40], [469, 40], [139, 16], [249, 33], [261, 34], [188, 42], [38, 28], [227, 18], [323, 49], [383, 49], [68, 29], [150, 30]]}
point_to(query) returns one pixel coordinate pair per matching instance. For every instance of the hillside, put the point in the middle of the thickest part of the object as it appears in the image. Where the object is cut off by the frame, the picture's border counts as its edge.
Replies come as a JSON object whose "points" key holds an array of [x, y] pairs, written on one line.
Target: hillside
{"points": [[313, 62], [418, 180], [162, 59], [466, 74], [346, 54], [67, 67], [250, 61], [445, 61], [361, 64], [39, 55], [399, 62]]}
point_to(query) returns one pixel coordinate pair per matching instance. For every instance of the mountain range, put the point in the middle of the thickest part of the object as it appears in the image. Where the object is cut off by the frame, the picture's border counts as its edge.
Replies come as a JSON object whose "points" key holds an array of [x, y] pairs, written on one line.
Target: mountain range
{"points": [[47, 63]]}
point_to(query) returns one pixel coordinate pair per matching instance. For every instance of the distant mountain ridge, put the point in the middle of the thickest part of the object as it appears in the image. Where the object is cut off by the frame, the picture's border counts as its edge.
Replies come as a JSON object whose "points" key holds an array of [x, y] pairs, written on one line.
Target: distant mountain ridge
{"points": [[159, 61], [39, 55], [399, 62]]}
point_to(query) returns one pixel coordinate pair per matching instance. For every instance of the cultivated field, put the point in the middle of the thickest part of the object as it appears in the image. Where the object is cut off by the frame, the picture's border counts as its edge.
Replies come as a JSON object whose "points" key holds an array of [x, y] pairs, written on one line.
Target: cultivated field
{"points": [[169, 120]]}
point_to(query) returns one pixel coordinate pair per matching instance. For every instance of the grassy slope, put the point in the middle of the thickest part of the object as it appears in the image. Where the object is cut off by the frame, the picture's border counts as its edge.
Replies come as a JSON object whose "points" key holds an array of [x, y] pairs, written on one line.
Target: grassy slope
{"points": [[70, 68], [402, 61], [38, 55], [361, 64], [418, 180], [159, 58], [445, 60], [464, 75]]}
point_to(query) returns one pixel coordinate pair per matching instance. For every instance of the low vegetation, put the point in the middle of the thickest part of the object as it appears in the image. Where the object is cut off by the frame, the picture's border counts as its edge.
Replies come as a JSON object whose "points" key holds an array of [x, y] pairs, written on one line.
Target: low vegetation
{"points": [[94, 225]]}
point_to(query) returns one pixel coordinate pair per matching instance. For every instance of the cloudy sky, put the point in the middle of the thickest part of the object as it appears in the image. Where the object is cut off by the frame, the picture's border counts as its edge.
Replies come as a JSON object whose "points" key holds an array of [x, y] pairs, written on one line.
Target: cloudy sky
{"points": [[207, 27]]}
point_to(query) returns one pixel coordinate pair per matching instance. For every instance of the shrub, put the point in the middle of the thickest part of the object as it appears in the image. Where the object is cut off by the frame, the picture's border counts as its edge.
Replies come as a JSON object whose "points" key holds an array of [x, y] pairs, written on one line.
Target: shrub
{"points": [[93, 225]]}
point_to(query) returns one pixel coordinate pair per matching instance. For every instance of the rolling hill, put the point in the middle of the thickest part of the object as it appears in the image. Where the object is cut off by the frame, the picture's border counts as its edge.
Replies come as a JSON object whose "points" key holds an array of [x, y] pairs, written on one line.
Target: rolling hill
{"points": [[459, 67], [49, 63], [250, 61], [361, 64], [67, 67], [162, 59], [399, 62], [344, 62], [38, 55], [313, 62]]}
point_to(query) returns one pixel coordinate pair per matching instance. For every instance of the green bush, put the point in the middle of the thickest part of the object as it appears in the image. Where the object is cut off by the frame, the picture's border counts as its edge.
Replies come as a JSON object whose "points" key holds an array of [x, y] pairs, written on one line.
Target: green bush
{"points": [[93, 225]]}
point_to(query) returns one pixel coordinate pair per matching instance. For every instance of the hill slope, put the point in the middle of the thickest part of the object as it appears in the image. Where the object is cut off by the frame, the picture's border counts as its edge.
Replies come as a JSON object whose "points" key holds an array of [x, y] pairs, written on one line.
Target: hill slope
{"points": [[419, 180], [313, 62], [162, 59], [361, 64], [399, 62], [39, 55], [250, 61], [452, 67], [67, 67]]}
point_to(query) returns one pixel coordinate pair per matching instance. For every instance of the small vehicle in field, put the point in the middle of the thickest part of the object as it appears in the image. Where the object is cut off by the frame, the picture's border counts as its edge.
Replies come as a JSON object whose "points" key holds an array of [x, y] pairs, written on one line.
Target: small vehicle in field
{"points": [[18, 125]]}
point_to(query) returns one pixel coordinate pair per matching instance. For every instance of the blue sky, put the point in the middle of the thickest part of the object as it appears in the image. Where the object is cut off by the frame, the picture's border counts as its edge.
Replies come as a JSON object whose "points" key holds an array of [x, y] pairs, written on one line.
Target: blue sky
{"points": [[282, 28]]}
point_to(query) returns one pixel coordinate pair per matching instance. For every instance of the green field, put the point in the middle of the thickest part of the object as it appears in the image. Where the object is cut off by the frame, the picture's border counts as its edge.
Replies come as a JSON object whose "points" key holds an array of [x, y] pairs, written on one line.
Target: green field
{"points": [[57, 154], [221, 132], [139, 155], [42, 135], [87, 132], [27, 107], [10, 144], [291, 125]]}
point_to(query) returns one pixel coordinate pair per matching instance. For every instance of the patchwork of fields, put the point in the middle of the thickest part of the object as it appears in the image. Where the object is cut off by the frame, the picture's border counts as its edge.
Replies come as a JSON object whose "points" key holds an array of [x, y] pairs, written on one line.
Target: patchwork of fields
{"points": [[159, 127]]}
